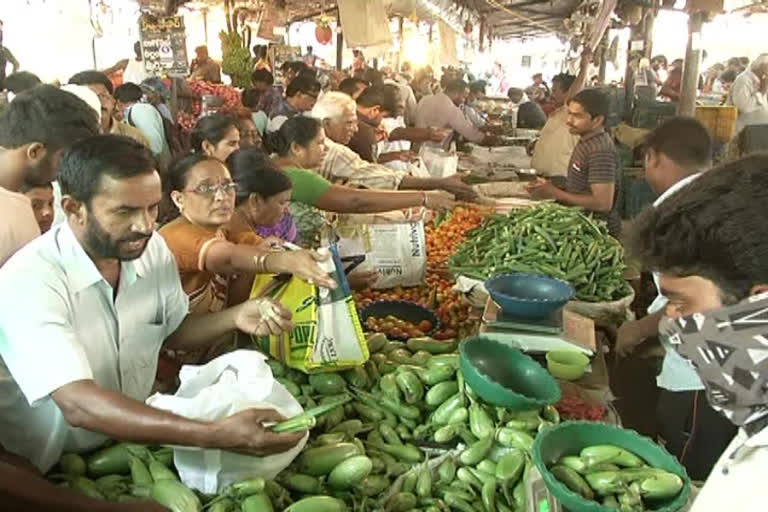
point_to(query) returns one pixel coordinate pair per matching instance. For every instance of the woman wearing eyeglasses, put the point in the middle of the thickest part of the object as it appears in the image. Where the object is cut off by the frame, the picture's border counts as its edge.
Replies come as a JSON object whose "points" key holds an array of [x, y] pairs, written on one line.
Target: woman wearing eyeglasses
{"points": [[203, 192]]}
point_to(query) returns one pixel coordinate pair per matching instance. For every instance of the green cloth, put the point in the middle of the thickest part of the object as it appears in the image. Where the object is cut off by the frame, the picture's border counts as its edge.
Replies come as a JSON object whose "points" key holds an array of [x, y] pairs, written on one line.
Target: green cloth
{"points": [[308, 186]]}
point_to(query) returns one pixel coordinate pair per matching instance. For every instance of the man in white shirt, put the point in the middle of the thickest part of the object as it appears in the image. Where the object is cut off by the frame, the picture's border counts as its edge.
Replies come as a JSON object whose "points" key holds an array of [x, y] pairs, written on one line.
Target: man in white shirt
{"points": [[338, 113], [677, 153], [748, 94], [85, 309], [708, 243], [34, 131]]}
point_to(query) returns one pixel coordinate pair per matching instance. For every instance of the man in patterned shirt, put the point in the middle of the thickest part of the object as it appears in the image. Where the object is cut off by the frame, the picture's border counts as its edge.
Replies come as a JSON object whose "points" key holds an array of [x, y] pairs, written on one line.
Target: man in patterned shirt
{"points": [[593, 172]]}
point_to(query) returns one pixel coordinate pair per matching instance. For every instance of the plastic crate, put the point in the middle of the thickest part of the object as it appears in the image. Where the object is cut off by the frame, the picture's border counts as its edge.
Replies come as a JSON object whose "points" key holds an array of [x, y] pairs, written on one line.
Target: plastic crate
{"points": [[649, 114], [720, 121]]}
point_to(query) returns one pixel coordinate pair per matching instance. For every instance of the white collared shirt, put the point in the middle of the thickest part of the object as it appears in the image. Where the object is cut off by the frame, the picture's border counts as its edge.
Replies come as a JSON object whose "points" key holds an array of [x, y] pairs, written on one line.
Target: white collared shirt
{"points": [[736, 482], [60, 322], [677, 374]]}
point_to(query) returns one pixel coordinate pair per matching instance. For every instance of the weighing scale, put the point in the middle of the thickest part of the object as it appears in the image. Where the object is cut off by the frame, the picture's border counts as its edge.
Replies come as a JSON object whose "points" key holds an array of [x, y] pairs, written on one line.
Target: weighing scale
{"points": [[539, 497], [561, 330]]}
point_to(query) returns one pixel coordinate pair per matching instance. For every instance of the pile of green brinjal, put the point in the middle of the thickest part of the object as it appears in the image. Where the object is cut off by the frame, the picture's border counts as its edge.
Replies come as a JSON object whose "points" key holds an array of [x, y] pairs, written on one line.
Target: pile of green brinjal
{"points": [[616, 478], [402, 432]]}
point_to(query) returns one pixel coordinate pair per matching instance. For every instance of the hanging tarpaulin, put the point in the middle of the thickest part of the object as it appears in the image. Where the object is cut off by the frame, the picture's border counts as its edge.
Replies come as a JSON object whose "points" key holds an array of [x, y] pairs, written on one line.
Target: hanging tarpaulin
{"points": [[364, 23], [448, 54]]}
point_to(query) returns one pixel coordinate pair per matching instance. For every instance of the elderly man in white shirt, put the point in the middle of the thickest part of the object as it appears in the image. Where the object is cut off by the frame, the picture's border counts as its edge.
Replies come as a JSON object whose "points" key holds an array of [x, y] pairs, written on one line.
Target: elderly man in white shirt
{"points": [[748, 94], [85, 308], [706, 243], [338, 113]]}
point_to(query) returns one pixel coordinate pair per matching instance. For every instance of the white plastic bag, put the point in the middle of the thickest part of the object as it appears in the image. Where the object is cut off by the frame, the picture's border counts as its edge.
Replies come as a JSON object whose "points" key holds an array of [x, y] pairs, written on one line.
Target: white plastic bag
{"points": [[228, 384], [440, 163]]}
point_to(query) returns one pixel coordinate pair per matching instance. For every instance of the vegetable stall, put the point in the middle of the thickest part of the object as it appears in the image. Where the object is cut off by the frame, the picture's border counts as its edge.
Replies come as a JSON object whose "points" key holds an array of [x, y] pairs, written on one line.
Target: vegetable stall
{"points": [[405, 431]]}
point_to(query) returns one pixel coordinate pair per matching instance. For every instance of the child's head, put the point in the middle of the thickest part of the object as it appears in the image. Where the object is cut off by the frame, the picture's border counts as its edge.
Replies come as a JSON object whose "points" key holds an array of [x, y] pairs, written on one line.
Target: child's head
{"points": [[41, 197]]}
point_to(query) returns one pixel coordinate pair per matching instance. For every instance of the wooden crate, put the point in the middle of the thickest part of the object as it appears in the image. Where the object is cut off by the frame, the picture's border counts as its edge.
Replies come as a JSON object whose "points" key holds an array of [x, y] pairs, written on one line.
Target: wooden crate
{"points": [[720, 121]]}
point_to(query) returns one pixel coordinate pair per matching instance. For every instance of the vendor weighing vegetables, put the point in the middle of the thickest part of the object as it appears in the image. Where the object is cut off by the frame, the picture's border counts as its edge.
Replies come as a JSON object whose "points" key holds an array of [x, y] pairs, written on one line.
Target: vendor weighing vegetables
{"points": [[85, 310], [593, 173]]}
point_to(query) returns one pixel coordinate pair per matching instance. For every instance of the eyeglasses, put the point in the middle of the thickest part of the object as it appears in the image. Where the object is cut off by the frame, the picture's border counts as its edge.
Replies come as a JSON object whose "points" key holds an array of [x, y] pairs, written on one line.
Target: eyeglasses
{"points": [[210, 191]]}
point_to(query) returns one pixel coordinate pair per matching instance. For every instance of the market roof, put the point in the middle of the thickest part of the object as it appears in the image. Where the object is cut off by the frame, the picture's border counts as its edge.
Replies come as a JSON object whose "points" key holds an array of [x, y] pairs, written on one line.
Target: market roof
{"points": [[504, 18], [524, 18]]}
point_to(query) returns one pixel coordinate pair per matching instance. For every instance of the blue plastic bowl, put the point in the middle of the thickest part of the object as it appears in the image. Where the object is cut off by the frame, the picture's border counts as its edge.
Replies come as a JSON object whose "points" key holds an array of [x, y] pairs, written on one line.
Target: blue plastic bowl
{"points": [[528, 295]]}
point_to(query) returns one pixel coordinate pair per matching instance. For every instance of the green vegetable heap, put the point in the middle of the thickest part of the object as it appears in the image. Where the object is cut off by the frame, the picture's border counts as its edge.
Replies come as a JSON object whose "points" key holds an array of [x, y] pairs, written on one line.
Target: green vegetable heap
{"points": [[401, 433], [236, 59], [552, 240], [615, 477]]}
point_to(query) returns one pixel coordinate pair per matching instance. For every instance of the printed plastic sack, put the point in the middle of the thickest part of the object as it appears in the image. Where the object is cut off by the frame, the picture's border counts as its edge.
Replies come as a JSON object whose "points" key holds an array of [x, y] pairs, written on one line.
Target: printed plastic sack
{"points": [[393, 244], [327, 334], [227, 385]]}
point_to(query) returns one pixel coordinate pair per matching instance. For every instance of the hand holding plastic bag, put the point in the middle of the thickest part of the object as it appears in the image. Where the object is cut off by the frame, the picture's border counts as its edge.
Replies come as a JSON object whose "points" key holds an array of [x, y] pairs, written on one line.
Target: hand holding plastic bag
{"points": [[238, 392]]}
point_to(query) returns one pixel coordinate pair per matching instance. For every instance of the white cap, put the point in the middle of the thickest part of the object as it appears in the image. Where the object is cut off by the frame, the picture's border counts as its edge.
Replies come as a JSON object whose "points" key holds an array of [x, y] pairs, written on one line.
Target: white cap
{"points": [[85, 94]]}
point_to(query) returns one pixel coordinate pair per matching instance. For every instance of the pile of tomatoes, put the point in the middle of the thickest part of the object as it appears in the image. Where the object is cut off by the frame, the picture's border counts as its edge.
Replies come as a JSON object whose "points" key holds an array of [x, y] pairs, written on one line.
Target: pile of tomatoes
{"points": [[395, 327], [573, 407], [443, 240], [437, 296]]}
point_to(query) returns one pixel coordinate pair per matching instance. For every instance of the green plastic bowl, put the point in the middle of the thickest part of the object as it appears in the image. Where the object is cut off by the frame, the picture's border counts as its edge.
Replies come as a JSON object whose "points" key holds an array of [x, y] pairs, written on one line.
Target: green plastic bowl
{"points": [[505, 377], [570, 437], [567, 364]]}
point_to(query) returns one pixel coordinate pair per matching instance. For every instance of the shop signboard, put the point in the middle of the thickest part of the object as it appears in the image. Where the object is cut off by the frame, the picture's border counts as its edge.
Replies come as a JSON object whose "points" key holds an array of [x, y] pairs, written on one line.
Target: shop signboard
{"points": [[164, 45]]}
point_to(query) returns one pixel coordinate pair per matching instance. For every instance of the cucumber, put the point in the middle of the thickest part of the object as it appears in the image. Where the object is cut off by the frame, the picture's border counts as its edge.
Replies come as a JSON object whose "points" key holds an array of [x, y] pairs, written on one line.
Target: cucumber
{"points": [[327, 383], [441, 392], [350, 472], [438, 374], [318, 504], [256, 503], [432, 346], [376, 342], [115, 459], [321, 460], [357, 377], [373, 485]]}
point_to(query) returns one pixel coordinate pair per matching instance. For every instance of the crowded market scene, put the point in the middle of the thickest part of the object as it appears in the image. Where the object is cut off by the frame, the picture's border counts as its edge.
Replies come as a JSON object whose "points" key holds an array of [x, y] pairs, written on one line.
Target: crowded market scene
{"points": [[383, 255]]}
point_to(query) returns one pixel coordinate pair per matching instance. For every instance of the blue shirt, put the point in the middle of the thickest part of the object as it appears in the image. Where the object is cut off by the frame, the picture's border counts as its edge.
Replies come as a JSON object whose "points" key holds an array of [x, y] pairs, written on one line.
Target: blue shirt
{"points": [[147, 118]]}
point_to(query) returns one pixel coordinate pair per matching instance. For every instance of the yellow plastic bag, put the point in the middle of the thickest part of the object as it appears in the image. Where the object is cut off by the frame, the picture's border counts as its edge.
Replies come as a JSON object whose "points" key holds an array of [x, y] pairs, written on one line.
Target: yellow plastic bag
{"points": [[327, 335]]}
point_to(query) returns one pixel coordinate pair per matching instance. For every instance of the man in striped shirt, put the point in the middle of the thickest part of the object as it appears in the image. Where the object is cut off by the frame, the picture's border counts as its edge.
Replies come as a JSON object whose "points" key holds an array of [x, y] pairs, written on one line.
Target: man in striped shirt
{"points": [[593, 173]]}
